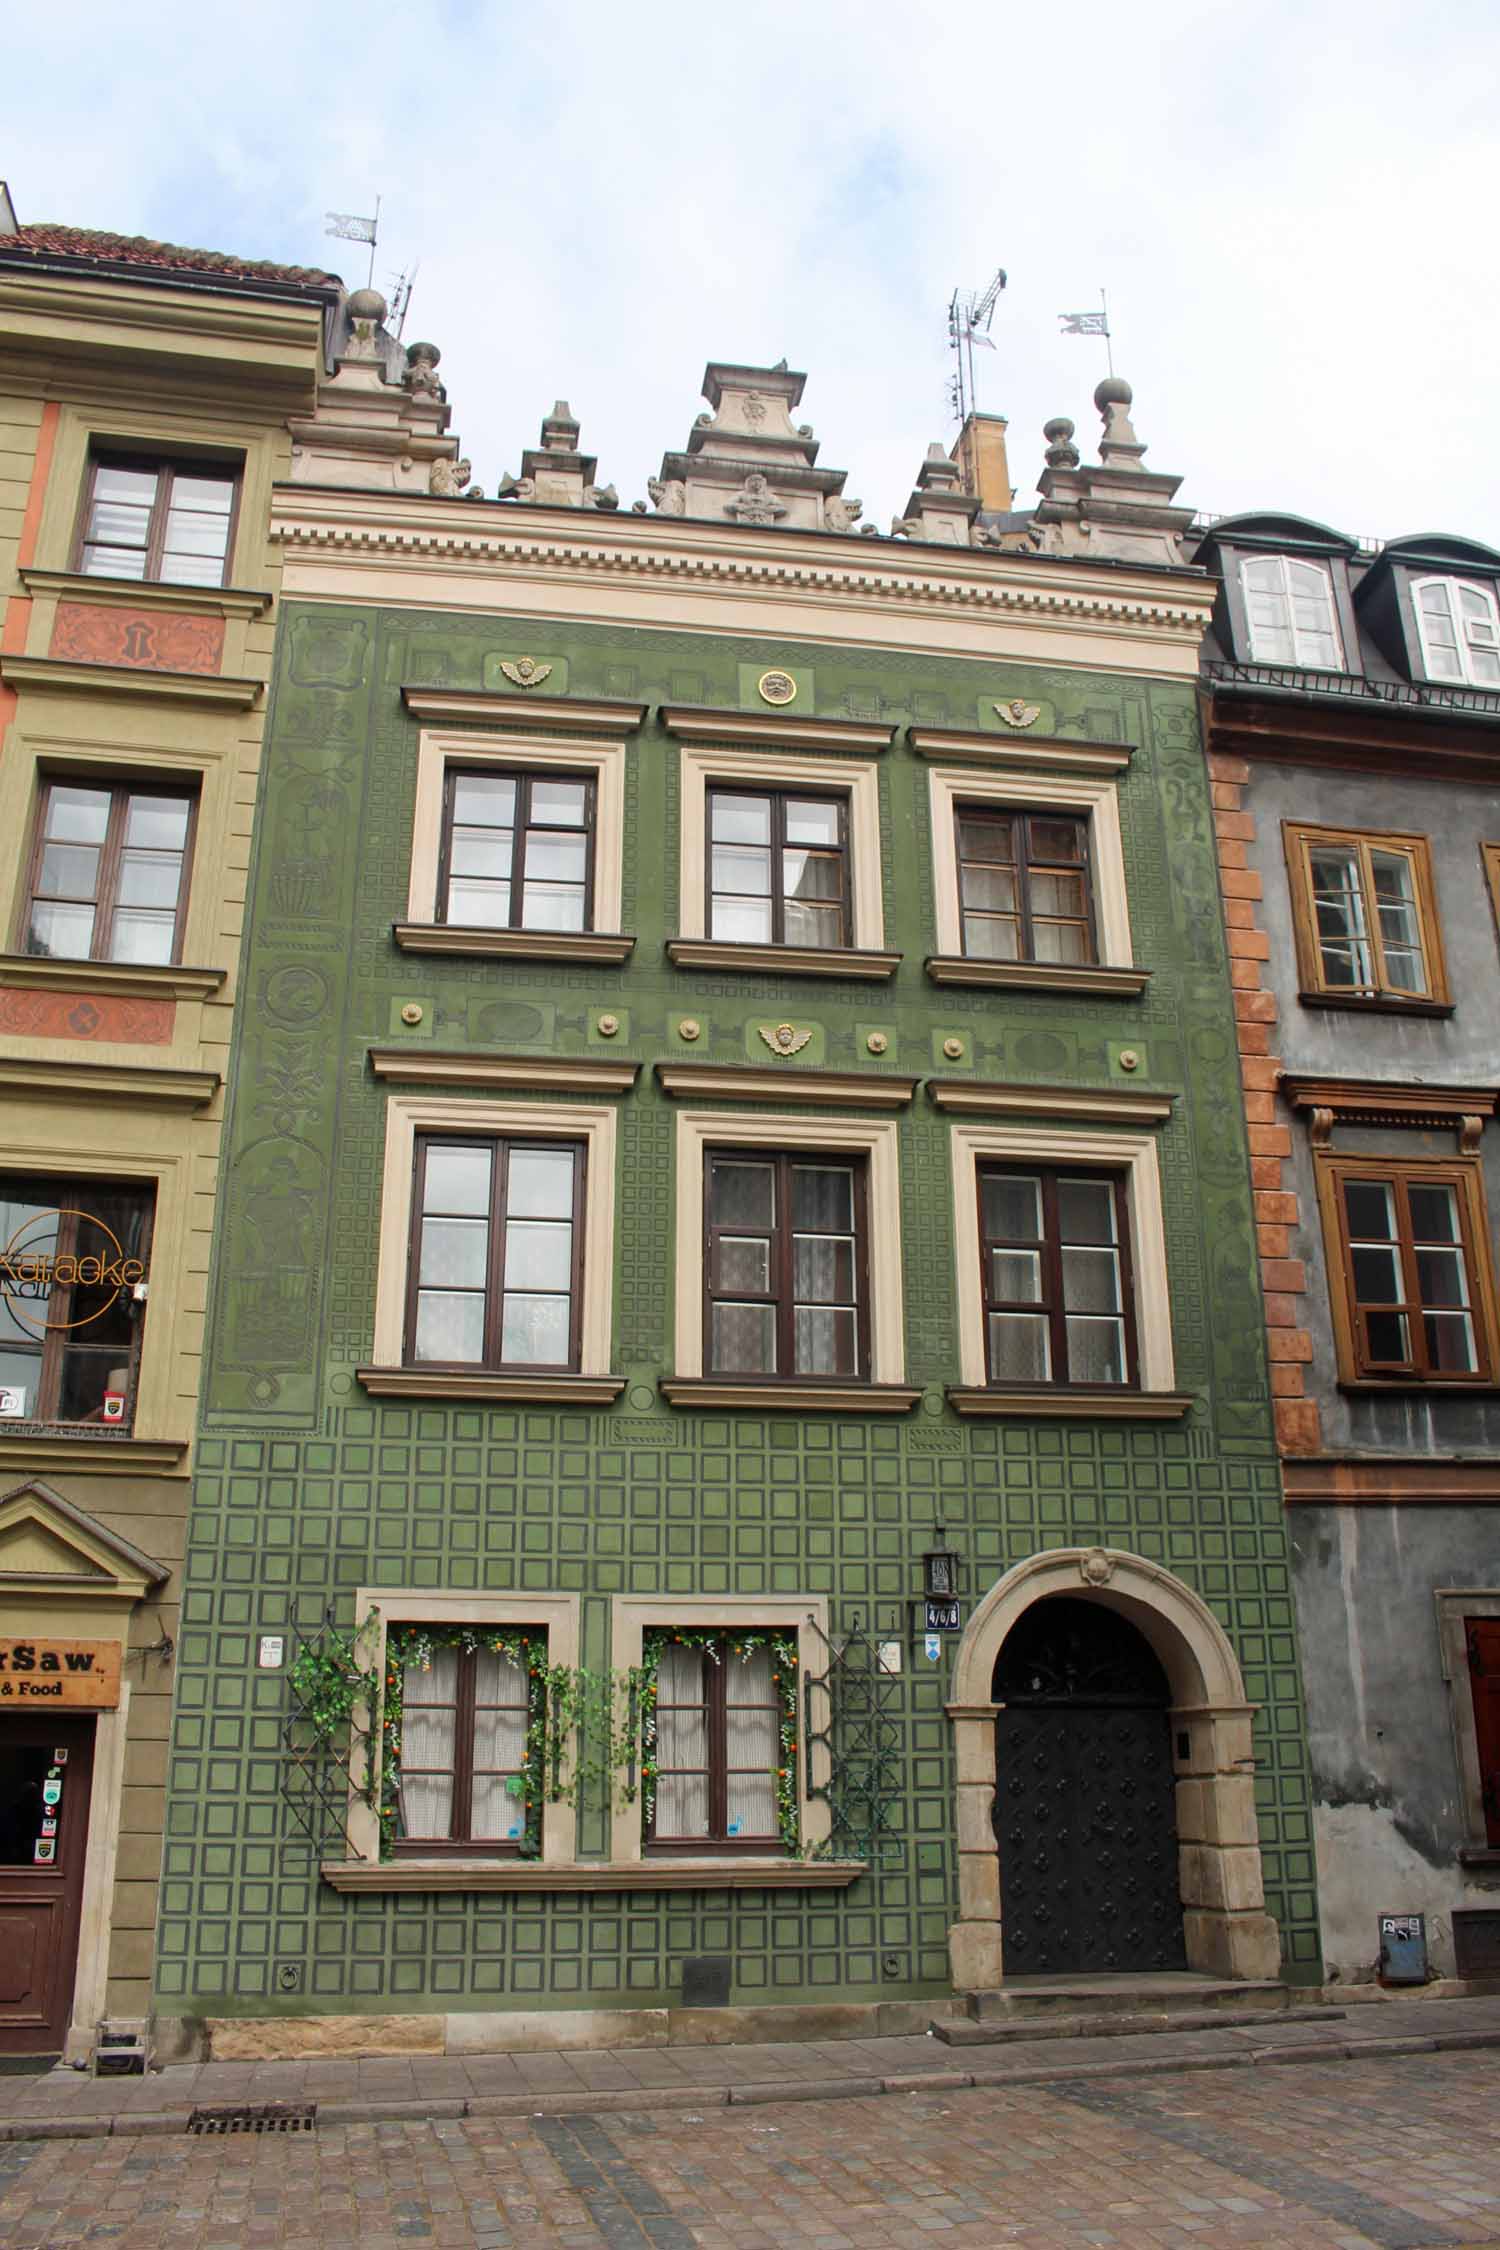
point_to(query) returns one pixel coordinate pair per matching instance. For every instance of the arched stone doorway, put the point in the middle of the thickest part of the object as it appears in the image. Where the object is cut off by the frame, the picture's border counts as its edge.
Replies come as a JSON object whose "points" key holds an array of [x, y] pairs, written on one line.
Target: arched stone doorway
{"points": [[1085, 1817], [1225, 1928]]}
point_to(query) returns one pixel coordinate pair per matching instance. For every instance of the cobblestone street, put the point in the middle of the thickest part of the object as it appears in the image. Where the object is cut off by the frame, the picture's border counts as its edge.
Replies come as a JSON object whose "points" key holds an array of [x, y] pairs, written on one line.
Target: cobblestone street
{"points": [[1394, 2154]]}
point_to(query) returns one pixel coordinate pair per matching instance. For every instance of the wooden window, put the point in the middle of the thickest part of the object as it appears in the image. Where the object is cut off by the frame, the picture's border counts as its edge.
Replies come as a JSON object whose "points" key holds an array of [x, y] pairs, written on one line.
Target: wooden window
{"points": [[1055, 1253], [717, 1750], [1490, 854], [517, 850], [172, 521], [1365, 912], [1290, 612], [1482, 1648], [109, 872], [778, 868], [785, 1265], [495, 1277], [1459, 631], [1023, 883], [465, 1770], [1412, 1296], [72, 1254]]}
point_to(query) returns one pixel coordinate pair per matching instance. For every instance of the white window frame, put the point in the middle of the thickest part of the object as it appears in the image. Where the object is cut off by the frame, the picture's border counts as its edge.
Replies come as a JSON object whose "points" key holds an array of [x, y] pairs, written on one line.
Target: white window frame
{"points": [[596, 1127], [1453, 590], [558, 1615], [857, 779], [700, 1131], [1135, 1155], [805, 1616], [1284, 566], [1098, 801], [603, 758]]}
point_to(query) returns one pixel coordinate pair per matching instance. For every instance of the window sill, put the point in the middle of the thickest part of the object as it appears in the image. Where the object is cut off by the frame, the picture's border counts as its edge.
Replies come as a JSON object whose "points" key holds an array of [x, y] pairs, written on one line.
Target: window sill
{"points": [[1419, 1386], [593, 1875], [1483, 1857], [33, 1446], [1057, 1401], [1376, 1003], [132, 980], [605, 947], [139, 1085], [1038, 976], [481, 1383], [784, 960], [69, 678], [718, 1393], [146, 593]]}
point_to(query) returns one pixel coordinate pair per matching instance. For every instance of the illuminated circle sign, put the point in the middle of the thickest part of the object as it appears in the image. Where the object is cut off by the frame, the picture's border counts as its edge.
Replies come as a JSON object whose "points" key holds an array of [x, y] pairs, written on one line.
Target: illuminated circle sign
{"points": [[29, 1272]]}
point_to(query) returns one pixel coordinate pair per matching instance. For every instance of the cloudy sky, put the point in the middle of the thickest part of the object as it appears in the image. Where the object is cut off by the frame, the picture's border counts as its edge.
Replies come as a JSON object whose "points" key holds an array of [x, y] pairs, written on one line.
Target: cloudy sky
{"points": [[1291, 204]]}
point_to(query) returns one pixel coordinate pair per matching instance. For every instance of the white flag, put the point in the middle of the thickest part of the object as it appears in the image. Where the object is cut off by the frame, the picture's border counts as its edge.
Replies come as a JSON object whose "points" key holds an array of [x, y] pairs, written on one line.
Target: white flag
{"points": [[1084, 324], [351, 229]]}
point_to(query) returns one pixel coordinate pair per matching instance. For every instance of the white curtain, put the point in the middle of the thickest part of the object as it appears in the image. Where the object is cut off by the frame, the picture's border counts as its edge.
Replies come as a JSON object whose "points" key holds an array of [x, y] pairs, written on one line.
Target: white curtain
{"points": [[428, 1733], [681, 1741]]}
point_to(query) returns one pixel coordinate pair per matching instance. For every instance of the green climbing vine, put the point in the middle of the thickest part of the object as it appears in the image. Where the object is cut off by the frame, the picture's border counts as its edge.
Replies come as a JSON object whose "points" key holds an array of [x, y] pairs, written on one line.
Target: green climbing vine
{"points": [[329, 1680], [721, 1646]]}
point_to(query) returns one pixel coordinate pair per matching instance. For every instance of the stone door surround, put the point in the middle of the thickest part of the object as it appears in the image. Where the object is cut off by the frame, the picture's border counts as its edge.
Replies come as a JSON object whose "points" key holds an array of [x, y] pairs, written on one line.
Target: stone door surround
{"points": [[1225, 1926]]}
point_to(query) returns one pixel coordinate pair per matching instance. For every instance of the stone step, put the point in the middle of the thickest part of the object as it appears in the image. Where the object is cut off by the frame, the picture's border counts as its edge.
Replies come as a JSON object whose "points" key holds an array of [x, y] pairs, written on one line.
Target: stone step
{"points": [[1120, 2023], [1039, 1997]]}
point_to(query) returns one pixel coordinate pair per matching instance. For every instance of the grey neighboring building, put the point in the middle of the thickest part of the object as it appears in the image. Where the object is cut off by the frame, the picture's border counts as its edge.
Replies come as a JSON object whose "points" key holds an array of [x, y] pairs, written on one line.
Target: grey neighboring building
{"points": [[1353, 705]]}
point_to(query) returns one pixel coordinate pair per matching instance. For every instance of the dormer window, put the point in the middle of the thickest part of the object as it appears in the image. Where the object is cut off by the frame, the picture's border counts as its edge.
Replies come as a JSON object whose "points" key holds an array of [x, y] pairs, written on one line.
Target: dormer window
{"points": [[1291, 615], [1460, 631]]}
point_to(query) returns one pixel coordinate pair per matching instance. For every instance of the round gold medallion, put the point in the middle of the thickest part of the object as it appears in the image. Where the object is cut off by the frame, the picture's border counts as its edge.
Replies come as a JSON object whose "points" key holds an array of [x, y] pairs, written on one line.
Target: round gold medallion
{"points": [[777, 687]]}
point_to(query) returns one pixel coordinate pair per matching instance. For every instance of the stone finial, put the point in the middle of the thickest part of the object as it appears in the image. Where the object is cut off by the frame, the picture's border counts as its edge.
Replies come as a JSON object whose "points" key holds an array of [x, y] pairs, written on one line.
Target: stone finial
{"points": [[748, 462], [1119, 447], [421, 369], [554, 473], [560, 431], [939, 509], [368, 304], [1062, 453], [938, 473]]}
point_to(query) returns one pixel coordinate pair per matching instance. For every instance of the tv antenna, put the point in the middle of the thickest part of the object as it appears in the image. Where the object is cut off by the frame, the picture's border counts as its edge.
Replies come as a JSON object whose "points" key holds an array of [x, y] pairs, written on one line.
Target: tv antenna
{"points": [[969, 317], [401, 298]]}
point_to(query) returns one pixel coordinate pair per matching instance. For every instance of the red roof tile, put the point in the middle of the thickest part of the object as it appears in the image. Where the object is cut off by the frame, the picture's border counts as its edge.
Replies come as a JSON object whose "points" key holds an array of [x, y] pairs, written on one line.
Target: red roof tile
{"points": [[163, 257]]}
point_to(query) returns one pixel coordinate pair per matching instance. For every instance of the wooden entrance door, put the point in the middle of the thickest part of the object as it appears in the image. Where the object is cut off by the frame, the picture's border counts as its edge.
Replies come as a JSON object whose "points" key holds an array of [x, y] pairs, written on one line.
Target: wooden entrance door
{"points": [[46, 1766], [1085, 1802], [1482, 1639]]}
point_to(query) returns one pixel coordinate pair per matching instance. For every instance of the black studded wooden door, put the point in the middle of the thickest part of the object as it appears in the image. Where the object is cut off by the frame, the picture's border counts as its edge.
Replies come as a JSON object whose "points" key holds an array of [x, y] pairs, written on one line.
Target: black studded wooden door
{"points": [[1085, 1815]]}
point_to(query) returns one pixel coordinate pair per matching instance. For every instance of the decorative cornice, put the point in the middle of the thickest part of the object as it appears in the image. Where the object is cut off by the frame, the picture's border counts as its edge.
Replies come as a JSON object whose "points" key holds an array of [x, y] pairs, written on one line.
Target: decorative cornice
{"points": [[521, 712], [1095, 983], [1023, 752], [592, 1874], [132, 980], [1156, 615], [605, 947], [31, 1452], [721, 1393], [1312, 1480], [464, 1382], [783, 960], [1045, 1402], [1101, 1105], [140, 1085], [65, 677], [416, 1066], [1401, 1103], [696, 724], [841, 1089], [146, 593]]}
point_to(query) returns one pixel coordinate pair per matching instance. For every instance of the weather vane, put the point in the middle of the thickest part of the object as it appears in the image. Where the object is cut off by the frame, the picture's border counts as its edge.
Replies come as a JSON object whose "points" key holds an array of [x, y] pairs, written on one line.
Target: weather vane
{"points": [[353, 229], [1091, 324]]}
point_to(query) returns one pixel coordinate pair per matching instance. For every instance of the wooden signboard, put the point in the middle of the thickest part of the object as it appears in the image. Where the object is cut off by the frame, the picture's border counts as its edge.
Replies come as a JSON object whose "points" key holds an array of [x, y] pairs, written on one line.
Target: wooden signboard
{"points": [[58, 1675]]}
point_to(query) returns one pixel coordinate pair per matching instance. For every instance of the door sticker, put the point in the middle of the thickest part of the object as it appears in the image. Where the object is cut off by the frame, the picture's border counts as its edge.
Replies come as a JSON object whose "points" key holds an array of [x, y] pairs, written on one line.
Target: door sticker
{"points": [[46, 1851]]}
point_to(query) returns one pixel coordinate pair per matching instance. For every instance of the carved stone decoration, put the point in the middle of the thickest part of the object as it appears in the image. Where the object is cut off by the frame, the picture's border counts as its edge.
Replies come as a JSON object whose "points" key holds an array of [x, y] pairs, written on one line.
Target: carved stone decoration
{"points": [[1470, 1134], [1018, 713], [1095, 1568], [755, 502], [421, 369], [668, 497], [783, 1038], [1062, 453], [840, 514], [446, 479], [776, 687], [1321, 1129], [525, 672], [755, 409], [600, 496], [142, 639]]}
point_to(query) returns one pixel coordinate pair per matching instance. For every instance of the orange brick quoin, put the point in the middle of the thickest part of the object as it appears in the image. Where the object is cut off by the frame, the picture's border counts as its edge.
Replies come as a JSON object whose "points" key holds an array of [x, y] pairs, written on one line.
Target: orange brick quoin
{"points": [[1283, 1278]]}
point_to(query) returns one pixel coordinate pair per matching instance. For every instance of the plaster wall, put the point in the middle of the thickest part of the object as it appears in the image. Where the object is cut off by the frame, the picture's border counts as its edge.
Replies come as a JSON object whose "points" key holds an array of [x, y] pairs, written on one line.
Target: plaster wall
{"points": [[1387, 1788]]}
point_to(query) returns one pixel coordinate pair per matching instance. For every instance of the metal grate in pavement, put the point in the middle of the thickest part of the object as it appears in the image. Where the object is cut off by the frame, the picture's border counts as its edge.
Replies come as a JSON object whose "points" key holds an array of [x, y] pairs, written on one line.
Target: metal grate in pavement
{"points": [[255, 2117]]}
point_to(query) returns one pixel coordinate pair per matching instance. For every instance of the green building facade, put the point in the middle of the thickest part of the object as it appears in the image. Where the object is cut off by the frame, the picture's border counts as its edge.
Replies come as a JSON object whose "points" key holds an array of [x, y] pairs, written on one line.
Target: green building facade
{"points": [[580, 1516]]}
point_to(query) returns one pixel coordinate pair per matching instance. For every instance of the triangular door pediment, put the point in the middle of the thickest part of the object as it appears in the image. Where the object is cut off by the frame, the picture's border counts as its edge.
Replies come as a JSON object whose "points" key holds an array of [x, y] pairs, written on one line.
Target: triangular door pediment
{"points": [[49, 1544]]}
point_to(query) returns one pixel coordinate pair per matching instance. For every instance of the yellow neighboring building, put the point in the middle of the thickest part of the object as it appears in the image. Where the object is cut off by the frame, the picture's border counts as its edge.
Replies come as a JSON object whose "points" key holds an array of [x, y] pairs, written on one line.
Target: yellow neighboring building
{"points": [[146, 398]]}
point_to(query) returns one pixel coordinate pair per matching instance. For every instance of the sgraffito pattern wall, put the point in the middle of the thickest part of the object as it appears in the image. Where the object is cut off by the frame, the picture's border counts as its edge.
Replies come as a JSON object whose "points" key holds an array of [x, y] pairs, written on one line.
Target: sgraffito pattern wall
{"points": [[306, 1488]]}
